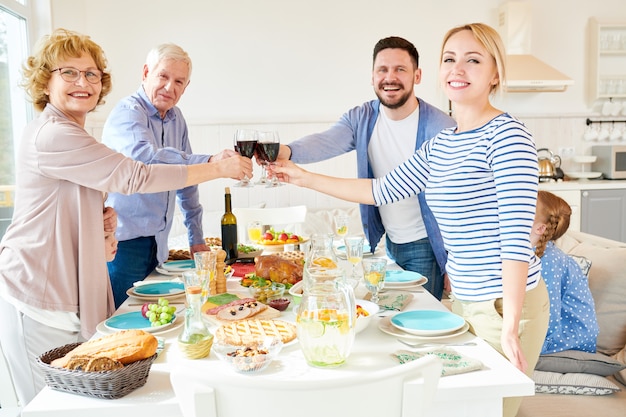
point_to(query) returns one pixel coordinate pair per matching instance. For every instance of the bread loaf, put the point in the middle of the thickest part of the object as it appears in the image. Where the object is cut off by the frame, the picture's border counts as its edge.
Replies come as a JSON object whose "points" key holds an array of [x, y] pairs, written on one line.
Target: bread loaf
{"points": [[125, 346]]}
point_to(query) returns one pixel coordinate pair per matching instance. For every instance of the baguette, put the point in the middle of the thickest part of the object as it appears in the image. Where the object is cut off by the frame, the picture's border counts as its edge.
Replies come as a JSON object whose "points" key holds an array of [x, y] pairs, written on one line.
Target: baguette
{"points": [[125, 346]]}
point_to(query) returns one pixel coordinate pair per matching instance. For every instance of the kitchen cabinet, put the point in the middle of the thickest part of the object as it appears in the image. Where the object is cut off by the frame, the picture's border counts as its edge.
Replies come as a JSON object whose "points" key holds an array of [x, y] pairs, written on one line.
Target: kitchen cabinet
{"points": [[572, 197], [603, 213], [606, 52]]}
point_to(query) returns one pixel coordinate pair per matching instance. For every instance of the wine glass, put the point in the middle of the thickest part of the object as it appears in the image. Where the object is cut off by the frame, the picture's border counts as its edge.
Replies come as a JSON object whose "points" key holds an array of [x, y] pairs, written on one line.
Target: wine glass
{"points": [[374, 275], [354, 252], [341, 224], [245, 143], [268, 147], [255, 229]]}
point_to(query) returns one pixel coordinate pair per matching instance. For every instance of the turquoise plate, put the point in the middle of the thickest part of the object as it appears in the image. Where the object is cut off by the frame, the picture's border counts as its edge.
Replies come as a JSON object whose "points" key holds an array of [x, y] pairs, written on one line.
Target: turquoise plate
{"points": [[135, 321], [427, 322], [179, 266], [157, 289], [400, 277]]}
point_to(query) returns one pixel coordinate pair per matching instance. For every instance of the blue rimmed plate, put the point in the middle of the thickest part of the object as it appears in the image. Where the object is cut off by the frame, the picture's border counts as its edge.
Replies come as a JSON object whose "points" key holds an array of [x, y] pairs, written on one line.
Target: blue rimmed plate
{"points": [[401, 279], [427, 322], [179, 266], [158, 289], [134, 321]]}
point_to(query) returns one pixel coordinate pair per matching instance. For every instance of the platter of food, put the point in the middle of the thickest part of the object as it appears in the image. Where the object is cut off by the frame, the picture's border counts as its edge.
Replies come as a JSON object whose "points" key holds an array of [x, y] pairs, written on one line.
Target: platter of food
{"points": [[228, 308], [248, 251], [280, 238]]}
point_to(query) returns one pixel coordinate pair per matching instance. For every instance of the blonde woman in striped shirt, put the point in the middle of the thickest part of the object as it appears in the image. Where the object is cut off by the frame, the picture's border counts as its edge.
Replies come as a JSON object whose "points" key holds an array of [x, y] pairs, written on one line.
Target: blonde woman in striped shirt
{"points": [[480, 179]]}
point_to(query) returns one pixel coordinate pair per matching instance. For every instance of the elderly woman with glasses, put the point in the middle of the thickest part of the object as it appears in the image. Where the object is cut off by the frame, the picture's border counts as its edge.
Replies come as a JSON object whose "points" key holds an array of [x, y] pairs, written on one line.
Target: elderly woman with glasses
{"points": [[54, 285]]}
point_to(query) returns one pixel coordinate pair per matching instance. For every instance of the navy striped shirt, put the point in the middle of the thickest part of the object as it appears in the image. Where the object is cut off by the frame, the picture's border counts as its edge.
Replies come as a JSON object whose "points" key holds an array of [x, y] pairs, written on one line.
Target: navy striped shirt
{"points": [[482, 188]]}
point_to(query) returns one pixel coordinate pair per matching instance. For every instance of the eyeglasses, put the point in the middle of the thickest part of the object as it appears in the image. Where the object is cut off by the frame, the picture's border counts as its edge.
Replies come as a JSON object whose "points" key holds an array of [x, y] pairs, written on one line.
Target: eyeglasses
{"points": [[70, 74]]}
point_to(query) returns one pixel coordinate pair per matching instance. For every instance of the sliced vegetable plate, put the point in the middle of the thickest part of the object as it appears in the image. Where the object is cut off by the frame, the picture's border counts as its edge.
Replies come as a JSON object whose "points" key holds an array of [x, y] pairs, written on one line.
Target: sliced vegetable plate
{"points": [[427, 322], [157, 289], [134, 321], [179, 266]]}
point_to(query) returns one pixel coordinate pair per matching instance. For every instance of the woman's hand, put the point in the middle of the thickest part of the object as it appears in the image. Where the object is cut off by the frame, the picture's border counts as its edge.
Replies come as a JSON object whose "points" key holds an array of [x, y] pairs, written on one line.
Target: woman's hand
{"points": [[235, 167], [512, 348], [226, 153], [288, 172]]}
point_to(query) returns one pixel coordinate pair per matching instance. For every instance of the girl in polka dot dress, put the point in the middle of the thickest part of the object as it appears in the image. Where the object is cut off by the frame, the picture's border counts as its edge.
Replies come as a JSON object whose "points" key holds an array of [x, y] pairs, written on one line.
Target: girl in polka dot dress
{"points": [[573, 324]]}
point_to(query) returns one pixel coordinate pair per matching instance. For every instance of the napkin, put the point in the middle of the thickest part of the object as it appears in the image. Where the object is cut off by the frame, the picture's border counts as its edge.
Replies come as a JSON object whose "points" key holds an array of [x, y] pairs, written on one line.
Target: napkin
{"points": [[393, 300], [453, 362]]}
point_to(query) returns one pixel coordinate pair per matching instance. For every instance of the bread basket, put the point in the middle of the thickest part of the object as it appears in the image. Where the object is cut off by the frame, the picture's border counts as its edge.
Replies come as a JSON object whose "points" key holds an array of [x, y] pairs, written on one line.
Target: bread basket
{"points": [[107, 385]]}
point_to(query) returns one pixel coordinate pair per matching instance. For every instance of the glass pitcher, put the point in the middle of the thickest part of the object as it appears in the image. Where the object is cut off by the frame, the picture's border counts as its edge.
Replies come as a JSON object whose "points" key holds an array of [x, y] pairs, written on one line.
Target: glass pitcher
{"points": [[325, 321]]}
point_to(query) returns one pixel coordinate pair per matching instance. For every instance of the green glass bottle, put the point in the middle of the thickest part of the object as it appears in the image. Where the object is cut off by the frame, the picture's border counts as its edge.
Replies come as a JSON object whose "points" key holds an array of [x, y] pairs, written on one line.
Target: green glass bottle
{"points": [[229, 230]]}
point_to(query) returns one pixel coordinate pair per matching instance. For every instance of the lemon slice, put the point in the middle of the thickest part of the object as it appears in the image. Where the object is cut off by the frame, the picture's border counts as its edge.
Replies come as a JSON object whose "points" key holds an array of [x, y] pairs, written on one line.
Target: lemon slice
{"points": [[324, 262]]}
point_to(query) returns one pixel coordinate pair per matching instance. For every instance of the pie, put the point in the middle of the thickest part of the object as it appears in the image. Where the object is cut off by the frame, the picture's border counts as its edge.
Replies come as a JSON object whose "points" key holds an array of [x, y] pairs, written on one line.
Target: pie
{"points": [[247, 332]]}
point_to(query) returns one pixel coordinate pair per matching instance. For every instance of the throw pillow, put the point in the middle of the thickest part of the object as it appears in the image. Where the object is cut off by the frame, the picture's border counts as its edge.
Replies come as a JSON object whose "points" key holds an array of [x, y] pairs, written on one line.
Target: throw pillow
{"points": [[576, 361], [572, 384], [607, 282], [584, 263], [621, 357]]}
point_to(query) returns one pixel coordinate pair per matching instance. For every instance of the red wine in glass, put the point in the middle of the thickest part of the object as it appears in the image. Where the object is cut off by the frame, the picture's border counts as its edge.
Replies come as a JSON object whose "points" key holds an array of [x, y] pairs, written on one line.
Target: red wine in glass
{"points": [[246, 147], [244, 142]]}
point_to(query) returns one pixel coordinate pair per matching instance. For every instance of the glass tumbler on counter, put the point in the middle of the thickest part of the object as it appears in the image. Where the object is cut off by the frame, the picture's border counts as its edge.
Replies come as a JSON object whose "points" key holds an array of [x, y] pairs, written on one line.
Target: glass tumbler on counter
{"points": [[374, 270]]}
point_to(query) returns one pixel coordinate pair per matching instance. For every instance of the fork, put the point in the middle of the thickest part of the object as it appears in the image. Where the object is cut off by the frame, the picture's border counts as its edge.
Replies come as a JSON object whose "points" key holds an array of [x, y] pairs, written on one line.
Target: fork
{"points": [[423, 345]]}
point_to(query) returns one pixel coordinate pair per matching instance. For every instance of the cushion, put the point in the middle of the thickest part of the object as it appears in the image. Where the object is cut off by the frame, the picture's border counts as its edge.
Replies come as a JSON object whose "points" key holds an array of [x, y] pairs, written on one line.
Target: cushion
{"points": [[572, 384], [607, 282], [621, 357], [576, 361], [584, 263]]}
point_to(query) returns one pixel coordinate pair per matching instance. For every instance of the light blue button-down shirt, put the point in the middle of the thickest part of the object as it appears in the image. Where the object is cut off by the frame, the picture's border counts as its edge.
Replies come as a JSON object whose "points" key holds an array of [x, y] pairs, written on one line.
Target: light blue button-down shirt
{"points": [[136, 129]]}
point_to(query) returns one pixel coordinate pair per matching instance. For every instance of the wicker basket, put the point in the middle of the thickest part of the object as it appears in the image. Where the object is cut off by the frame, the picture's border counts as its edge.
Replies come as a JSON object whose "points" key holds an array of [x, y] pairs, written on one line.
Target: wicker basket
{"points": [[107, 385]]}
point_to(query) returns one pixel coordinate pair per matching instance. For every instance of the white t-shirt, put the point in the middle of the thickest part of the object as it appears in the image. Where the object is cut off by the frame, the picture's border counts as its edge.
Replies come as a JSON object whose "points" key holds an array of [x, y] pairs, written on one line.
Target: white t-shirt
{"points": [[393, 142]]}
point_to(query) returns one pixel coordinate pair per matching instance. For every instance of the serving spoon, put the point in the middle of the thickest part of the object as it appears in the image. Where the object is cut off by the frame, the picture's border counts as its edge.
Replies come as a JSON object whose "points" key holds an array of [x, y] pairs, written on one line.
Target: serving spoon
{"points": [[423, 345]]}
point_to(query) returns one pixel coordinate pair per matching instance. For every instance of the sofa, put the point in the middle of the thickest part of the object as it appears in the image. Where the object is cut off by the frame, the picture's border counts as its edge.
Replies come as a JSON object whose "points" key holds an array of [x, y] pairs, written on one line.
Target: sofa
{"points": [[575, 383]]}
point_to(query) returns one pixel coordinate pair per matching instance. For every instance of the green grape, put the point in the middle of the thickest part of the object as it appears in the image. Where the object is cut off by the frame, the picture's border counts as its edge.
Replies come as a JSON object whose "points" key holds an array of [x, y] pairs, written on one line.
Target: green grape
{"points": [[164, 302], [172, 310]]}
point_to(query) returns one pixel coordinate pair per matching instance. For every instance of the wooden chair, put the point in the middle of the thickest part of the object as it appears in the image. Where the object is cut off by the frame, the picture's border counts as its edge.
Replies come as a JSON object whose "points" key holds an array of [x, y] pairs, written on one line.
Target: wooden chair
{"points": [[402, 390], [288, 218], [9, 405]]}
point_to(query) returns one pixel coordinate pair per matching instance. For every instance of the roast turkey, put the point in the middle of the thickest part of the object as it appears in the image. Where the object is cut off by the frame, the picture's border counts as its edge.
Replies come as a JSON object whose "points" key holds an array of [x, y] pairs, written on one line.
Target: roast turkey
{"points": [[277, 269]]}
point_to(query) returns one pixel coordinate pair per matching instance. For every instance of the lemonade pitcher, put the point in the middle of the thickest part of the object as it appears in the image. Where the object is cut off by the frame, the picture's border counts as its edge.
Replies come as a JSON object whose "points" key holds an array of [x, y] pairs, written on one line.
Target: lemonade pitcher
{"points": [[325, 321]]}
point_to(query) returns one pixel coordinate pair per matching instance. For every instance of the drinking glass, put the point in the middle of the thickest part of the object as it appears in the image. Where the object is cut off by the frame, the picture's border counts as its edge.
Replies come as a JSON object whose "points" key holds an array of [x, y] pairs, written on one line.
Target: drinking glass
{"points": [[205, 270], [255, 229], [354, 252], [374, 275], [341, 224], [244, 142], [268, 147]]}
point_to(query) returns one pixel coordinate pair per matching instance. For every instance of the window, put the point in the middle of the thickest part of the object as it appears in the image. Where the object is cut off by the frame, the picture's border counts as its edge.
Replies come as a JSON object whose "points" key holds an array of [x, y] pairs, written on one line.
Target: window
{"points": [[16, 17]]}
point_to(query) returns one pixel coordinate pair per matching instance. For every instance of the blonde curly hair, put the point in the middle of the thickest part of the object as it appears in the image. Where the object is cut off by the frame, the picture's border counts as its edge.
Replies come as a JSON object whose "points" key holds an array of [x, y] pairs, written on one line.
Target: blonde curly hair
{"points": [[555, 213], [60, 45]]}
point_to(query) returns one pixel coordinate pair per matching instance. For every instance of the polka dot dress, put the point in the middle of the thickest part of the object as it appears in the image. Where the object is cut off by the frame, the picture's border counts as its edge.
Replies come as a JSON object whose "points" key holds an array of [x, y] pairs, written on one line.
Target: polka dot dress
{"points": [[573, 324]]}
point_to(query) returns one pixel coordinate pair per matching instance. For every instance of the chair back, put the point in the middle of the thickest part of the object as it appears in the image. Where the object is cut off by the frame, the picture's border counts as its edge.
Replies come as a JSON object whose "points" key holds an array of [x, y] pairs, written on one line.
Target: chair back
{"points": [[9, 405], [288, 218], [402, 390]]}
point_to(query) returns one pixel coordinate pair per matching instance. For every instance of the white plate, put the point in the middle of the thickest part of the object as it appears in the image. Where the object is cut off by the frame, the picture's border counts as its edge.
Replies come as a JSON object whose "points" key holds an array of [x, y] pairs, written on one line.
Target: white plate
{"points": [[428, 322], [134, 321], [584, 175], [166, 272], [386, 327], [179, 266]]}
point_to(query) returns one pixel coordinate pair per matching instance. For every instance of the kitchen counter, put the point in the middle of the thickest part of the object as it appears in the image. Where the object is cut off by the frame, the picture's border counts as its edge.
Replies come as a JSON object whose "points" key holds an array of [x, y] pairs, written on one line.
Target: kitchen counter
{"points": [[578, 185]]}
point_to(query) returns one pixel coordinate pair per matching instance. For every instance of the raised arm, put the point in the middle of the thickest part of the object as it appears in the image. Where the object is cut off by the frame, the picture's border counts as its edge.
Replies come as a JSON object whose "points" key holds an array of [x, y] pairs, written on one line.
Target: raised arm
{"points": [[358, 190]]}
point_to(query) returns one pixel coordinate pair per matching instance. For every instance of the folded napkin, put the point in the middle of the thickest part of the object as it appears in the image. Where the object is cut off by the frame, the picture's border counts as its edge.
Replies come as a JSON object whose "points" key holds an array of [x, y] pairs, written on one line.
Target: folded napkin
{"points": [[453, 362], [393, 300]]}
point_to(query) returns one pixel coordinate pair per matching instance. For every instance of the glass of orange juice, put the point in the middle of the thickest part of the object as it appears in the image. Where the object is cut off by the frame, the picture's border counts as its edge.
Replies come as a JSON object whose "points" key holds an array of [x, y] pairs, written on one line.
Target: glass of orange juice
{"points": [[255, 229], [374, 270]]}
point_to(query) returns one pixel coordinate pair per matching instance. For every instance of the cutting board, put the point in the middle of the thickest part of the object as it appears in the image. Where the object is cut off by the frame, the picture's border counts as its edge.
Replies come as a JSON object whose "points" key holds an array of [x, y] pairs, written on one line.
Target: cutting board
{"points": [[221, 299]]}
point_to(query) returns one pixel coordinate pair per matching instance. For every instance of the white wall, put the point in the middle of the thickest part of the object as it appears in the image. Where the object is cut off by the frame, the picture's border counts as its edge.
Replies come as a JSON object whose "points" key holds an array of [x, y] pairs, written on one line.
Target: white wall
{"points": [[297, 65]]}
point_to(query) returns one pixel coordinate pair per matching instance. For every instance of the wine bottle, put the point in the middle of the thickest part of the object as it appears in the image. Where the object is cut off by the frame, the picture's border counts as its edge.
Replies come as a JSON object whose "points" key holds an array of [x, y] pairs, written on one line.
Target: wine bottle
{"points": [[229, 230]]}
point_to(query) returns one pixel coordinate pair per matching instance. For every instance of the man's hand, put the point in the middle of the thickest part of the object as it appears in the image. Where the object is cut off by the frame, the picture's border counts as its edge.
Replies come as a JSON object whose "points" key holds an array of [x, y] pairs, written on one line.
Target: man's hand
{"points": [[226, 153], [198, 248], [110, 219]]}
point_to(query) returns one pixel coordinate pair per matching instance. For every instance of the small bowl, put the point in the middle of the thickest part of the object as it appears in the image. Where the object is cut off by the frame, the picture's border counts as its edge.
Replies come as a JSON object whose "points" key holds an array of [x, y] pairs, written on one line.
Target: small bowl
{"points": [[296, 292], [278, 303], [260, 355], [263, 293], [363, 321]]}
